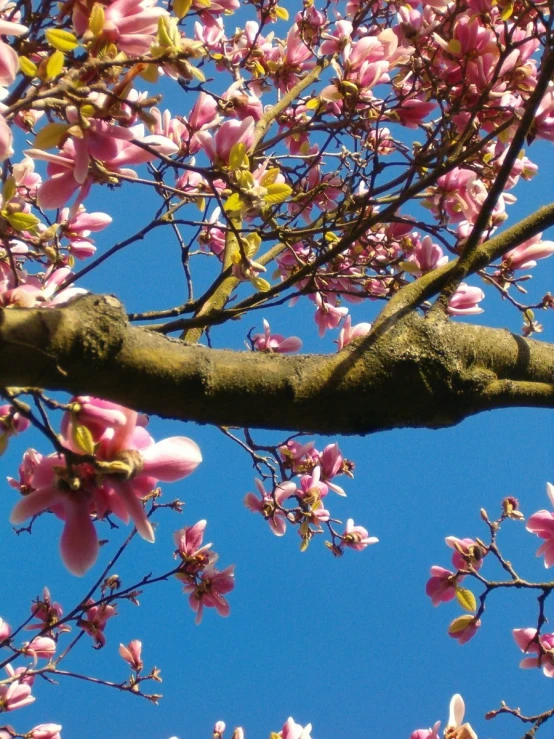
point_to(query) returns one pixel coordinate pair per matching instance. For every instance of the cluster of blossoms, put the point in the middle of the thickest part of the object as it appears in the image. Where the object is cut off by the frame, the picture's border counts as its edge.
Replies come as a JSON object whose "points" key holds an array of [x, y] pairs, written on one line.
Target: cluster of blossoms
{"points": [[204, 584], [302, 502], [108, 463], [467, 559], [423, 54]]}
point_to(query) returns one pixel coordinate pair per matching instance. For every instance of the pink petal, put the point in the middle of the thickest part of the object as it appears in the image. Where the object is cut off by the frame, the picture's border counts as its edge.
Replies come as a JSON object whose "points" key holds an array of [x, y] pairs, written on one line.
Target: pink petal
{"points": [[136, 510], [171, 459], [36, 502], [79, 542]]}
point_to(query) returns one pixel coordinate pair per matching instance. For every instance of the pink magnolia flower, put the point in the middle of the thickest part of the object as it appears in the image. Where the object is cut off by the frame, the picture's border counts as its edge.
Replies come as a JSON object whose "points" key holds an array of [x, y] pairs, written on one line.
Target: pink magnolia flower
{"points": [[427, 733], [466, 551], [219, 729], [275, 343], [112, 146], [11, 423], [46, 731], [94, 621], [9, 64], [6, 138], [5, 630], [229, 134], [132, 654], [194, 554], [349, 332], [17, 693], [454, 728], [541, 646], [357, 537], [292, 730], [427, 256], [209, 592], [464, 628], [525, 255], [268, 504], [465, 301], [40, 646], [441, 587], [129, 24], [327, 315], [127, 466], [542, 524], [77, 227], [48, 614]]}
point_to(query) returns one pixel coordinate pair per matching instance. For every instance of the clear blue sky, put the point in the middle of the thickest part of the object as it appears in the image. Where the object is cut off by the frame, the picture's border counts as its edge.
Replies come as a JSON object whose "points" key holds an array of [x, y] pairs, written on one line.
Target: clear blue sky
{"points": [[352, 645]]}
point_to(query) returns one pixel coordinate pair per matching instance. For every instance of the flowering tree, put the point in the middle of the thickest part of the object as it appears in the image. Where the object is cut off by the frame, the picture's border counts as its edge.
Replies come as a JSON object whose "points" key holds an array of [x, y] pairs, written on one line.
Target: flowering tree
{"points": [[348, 156]]}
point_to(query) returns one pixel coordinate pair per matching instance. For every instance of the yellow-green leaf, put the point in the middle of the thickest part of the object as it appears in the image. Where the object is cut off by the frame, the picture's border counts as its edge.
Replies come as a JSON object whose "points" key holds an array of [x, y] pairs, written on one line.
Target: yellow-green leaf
{"points": [[277, 193], [466, 599], [237, 155], [50, 135], [150, 73], [97, 19], [260, 284], [181, 7], [507, 12], [28, 67], [82, 438], [233, 203], [54, 65], [282, 13], [8, 191], [459, 624], [61, 40], [21, 221], [454, 46], [3, 443]]}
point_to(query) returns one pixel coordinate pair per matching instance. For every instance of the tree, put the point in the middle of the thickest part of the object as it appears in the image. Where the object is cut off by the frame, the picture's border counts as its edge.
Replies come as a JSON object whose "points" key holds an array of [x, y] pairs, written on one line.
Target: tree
{"points": [[366, 154]]}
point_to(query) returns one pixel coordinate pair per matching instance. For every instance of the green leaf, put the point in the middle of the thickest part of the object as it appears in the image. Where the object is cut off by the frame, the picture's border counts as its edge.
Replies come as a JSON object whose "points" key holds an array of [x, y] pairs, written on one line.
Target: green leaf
{"points": [[28, 67], [459, 624], [61, 40], [82, 438], [233, 203], [50, 136], [277, 193], [466, 599], [9, 189], [237, 155], [181, 7], [21, 221], [54, 65]]}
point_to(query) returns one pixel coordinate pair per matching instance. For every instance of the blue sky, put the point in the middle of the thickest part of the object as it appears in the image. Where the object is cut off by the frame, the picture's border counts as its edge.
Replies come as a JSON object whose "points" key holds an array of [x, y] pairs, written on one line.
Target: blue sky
{"points": [[352, 645]]}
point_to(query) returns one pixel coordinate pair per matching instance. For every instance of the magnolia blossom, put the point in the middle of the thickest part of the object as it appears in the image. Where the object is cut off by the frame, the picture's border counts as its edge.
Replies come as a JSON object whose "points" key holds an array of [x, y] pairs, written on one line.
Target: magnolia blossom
{"points": [[127, 466], [454, 727], [441, 587], [268, 504], [357, 537], [46, 731], [349, 333], [275, 343], [292, 730], [132, 654], [542, 646], [208, 593], [464, 628], [465, 301], [542, 524]]}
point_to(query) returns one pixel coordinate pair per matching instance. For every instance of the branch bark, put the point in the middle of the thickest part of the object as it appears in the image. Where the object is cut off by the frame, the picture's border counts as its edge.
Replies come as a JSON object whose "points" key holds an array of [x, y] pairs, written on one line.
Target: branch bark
{"points": [[420, 372]]}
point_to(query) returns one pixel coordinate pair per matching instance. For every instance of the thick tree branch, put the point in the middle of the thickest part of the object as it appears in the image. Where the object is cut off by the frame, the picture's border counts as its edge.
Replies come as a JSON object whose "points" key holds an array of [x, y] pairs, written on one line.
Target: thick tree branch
{"points": [[419, 373]]}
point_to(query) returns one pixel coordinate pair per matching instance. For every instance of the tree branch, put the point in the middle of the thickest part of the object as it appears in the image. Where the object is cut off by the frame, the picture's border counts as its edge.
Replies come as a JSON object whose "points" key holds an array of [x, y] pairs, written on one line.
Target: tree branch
{"points": [[419, 373]]}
